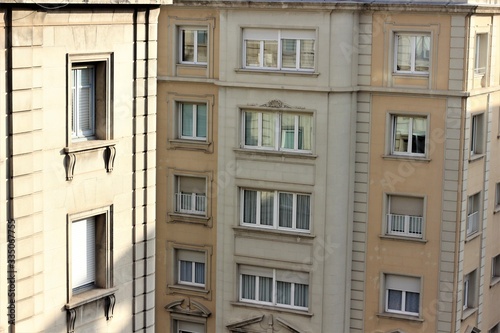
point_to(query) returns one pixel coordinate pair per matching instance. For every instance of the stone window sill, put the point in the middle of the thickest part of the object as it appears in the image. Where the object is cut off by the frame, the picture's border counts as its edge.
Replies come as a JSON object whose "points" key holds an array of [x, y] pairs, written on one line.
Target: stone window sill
{"points": [[403, 238], [273, 308], [400, 316], [466, 313], [77, 148]]}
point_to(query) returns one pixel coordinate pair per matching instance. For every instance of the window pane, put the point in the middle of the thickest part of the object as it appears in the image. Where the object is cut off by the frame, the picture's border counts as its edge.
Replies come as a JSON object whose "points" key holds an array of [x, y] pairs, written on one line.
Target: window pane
{"points": [[289, 53], [301, 295], [288, 131], [188, 45], [403, 53], [419, 130], [401, 131], [422, 53], [265, 289], [199, 272], [303, 211], [271, 53], [250, 207], [201, 121], [186, 273], [285, 210], [305, 132], [268, 129], [187, 119], [251, 128], [307, 54], [412, 302], [83, 253], [252, 53], [284, 293], [247, 286], [394, 299], [202, 46], [266, 208]]}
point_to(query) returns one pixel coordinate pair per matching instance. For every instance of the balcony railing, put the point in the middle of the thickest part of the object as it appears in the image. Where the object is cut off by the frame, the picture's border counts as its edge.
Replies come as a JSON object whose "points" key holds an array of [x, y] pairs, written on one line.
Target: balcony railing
{"points": [[190, 203], [472, 223], [404, 225]]}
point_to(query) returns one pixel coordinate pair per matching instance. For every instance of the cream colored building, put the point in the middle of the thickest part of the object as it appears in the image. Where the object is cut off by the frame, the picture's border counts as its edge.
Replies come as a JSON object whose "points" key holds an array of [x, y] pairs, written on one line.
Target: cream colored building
{"points": [[77, 163]]}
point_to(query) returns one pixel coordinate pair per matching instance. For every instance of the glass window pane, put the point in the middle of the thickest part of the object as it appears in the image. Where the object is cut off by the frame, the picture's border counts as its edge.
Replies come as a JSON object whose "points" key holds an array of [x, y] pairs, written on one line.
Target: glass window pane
{"points": [[288, 131], [285, 210], [401, 132], [250, 206], [303, 211], [265, 289], [268, 129], [289, 53], [412, 302], [186, 273], [305, 132], [422, 53], [247, 286], [301, 297], [202, 46], [419, 129], [284, 293], [394, 300], [307, 54], [187, 119], [271, 53], [188, 45], [251, 128], [199, 272], [201, 121], [403, 53], [266, 208], [252, 53]]}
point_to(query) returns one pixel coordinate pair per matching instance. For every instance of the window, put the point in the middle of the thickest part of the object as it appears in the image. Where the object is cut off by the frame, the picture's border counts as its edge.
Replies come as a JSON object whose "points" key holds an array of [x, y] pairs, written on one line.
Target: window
{"points": [[477, 134], [481, 56], [495, 268], [469, 291], [412, 53], [193, 121], [402, 294], [473, 206], [287, 50], [409, 135], [190, 195], [191, 268], [83, 115], [495, 329], [277, 131], [405, 216], [193, 46], [277, 210], [90, 250], [274, 287], [497, 197]]}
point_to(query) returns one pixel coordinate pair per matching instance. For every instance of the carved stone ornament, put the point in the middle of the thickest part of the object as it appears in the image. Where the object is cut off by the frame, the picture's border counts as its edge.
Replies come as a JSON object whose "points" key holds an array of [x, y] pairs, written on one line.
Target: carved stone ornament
{"points": [[192, 308], [277, 104], [109, 306], [71, 320], [270, 325]]}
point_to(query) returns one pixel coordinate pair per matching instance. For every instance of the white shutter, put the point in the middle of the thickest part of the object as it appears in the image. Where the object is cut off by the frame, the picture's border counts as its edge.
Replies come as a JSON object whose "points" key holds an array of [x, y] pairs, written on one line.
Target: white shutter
{"points": [[404, 283], [83, 102], [83, 253]]}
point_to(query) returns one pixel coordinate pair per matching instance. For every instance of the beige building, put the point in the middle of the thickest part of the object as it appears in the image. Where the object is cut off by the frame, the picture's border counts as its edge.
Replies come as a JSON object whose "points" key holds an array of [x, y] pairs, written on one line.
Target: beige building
{"points": [[77, 163]]}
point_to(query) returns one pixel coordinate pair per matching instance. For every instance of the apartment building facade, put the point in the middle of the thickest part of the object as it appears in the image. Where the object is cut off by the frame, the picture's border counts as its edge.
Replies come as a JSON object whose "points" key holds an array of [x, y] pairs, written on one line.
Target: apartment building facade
{"points": [[77, 161]]}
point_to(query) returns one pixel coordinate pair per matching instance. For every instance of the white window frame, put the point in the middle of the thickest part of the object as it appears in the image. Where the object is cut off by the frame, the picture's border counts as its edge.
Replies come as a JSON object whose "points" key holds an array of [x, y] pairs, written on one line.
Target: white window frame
{"points": [[278, 35], [275, 219], [473, 213], [481, 54], [413, 36], [403, 284], [277, 134], [196, 200], [405, 225], [477, 135], [409, 142], [293, 277], [192, 258], [195, 46], [76, 91], [195, 135], [83, 252]]}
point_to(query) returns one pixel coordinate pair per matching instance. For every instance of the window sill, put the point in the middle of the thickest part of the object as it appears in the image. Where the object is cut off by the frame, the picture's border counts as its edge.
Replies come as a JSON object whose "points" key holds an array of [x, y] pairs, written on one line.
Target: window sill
{"points": [[468, 312], [88, 296], [400, 316], [277, 232], [191, 145], [476, 157], [77, 148], [403, 238], [494, 281], [412, 75], [282, 154], [189, 290], [273, 308], [195, 65], [407, 158], [472, 236], [276, 72], [187, 218], [81, 146], [496, 209]]}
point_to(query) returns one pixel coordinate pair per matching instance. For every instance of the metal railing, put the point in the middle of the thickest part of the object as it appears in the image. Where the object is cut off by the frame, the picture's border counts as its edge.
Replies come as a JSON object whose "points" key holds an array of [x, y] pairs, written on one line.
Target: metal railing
{"points": [[190, 203], [404, 225]]}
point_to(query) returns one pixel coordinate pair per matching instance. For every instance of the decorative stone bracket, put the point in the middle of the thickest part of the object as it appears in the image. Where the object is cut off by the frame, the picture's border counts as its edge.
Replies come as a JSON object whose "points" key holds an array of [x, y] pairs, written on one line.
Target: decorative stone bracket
{"points": [[109, 300], [89, 146]]}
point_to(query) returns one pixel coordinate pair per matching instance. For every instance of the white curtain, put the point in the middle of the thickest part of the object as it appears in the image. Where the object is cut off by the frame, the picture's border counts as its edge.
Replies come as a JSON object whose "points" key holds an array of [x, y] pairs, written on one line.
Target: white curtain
{"points": [[303, 211], [265, 289], [187, 119], [307, 54], [266, 207], [199, 272], [283, 293], [248, 286], [250, 206], [185, 270], [285, 210]]}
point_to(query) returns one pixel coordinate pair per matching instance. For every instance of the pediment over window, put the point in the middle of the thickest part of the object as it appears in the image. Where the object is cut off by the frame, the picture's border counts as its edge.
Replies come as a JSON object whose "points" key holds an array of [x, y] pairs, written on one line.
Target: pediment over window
{"points": [[263, 324], [192, 308], [276, 103]]}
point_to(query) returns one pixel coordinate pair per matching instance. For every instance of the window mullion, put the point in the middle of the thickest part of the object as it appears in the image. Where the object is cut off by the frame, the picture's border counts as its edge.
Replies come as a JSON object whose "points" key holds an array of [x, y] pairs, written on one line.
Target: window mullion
{"points": [[297, 54], [413, 52], [403, 300], [409, 148], [280, 51], [259, 129], [294, 211], [261, 54], [292, 294]]}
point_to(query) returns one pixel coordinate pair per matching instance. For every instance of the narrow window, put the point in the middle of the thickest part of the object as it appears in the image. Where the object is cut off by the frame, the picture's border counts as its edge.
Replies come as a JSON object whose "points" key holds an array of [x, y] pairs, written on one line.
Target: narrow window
{"points": [[83, 103]]}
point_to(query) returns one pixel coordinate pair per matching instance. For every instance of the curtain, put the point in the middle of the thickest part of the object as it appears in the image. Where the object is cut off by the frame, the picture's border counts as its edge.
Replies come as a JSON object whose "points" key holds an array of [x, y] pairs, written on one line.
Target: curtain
{"points": [[251, 128], [288, 131], [265, 289], [185, 270], [301, 297], [187, 119], [250, 206], [422, 53], [268, 129], [247, 286], [285, 210], [307, 54], [305, 132], [283, 293], [83, 253], [199, 272], [394, 299], [266, 207], [201, 121], [403, 53], [202, 46], [412, 302], [303, 211], [289, 53]]}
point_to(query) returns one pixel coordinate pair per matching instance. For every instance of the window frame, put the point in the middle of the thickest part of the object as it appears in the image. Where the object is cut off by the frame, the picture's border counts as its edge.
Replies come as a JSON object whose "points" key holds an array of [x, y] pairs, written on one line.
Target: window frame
{"points": [[481, 53], [261, 35], [413, 51], [290, 276], [194, 196], [477, 144], [196, 29], [407, 218], [495, 270], [392, 118], [276, 210], [474, 207], [469, 292], [277, 116], [416, 288], [185, 254], [195, 137], [495, 328], [103, 250]]}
